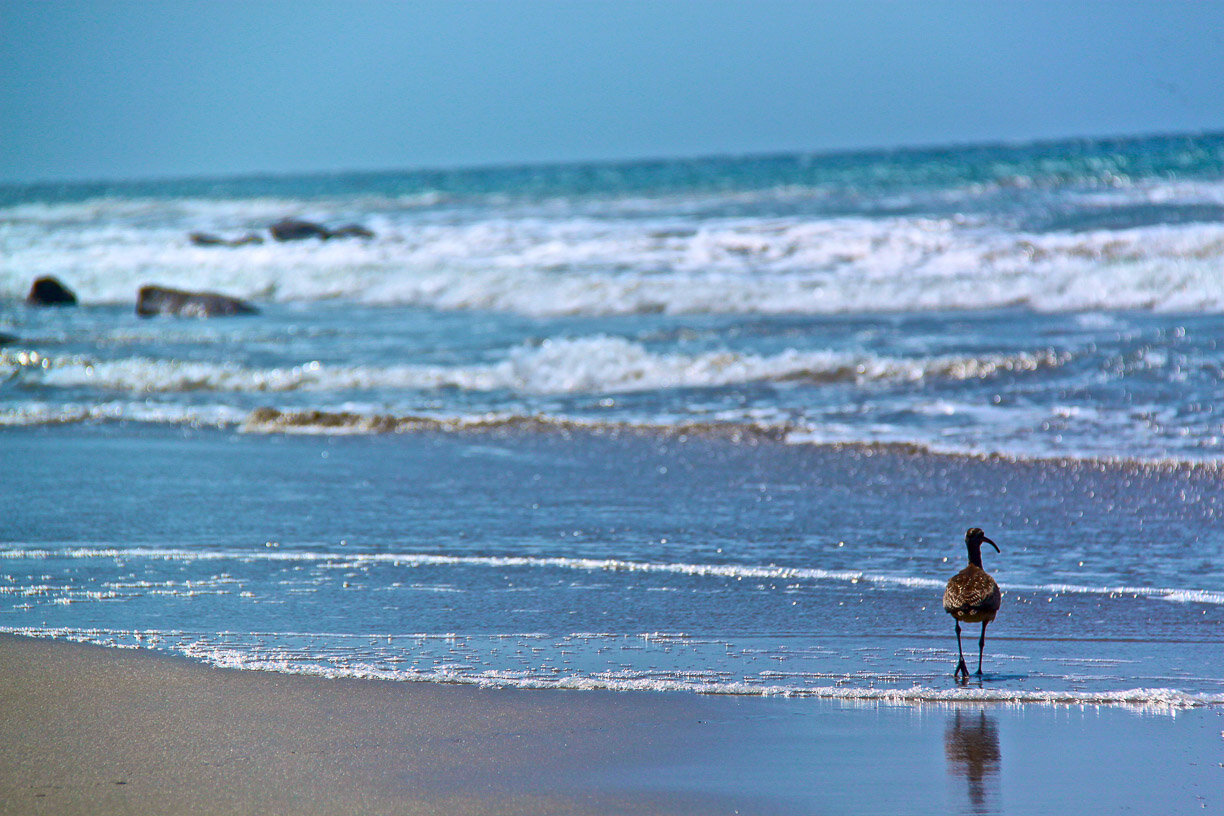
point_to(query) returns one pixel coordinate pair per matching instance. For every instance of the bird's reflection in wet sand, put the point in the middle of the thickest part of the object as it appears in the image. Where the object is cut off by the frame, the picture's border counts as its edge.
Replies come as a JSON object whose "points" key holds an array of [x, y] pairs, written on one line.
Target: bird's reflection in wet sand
{"points": [[971, 742]]}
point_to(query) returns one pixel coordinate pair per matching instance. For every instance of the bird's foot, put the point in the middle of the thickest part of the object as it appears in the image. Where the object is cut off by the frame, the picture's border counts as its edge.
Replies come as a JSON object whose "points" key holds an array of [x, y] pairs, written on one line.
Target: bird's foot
{"points": [[961, 670]]}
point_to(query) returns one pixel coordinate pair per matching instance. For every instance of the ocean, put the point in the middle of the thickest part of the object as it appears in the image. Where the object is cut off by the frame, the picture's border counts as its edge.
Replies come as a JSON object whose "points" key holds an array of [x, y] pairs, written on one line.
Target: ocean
{"points": [[714, 425]]}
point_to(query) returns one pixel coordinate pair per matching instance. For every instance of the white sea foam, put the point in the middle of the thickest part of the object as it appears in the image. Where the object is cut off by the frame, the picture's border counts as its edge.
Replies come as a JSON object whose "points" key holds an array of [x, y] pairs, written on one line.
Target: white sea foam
{"points": [[771, 572], [598, 364], [649, 680], [1153, 699], [537, 261]]}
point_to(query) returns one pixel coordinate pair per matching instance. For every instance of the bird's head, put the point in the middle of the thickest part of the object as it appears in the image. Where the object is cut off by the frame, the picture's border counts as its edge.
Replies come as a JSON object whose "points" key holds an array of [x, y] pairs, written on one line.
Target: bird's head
{"points": [[974, 538]]}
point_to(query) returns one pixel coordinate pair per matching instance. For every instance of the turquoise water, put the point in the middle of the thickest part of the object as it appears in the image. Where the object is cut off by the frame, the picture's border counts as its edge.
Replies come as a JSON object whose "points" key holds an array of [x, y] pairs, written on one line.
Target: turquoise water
{"points": [[715, 425]]}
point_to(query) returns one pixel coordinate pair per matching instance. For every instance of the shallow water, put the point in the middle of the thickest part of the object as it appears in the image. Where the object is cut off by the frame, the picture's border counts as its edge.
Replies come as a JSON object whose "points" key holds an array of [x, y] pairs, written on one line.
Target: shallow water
{"points": [[626, 560], [715, 425], [978, 760]]}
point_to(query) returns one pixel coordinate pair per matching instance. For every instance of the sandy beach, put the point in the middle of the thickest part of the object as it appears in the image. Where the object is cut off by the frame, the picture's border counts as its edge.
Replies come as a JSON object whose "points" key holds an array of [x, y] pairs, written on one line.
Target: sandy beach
{"points": [[106, 731], [90, 730]]}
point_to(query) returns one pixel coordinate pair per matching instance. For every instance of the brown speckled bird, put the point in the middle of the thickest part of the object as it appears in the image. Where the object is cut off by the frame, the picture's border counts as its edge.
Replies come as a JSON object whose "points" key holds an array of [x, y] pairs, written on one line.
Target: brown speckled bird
{"points": [[972, 596]]}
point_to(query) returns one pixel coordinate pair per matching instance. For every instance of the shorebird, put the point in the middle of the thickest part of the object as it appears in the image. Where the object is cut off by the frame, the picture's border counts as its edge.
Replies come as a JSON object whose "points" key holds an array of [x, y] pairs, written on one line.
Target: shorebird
{"points": [[972, 596]]}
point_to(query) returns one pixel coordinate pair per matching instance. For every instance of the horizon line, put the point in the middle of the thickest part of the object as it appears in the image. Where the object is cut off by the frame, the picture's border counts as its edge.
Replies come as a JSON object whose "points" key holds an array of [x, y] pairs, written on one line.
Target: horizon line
{"points": [[921, 147]]}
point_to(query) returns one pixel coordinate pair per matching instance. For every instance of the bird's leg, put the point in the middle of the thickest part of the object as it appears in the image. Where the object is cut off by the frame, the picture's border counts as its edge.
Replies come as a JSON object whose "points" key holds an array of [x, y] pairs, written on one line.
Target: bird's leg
{"points": [[981, 646], [961, 668]]}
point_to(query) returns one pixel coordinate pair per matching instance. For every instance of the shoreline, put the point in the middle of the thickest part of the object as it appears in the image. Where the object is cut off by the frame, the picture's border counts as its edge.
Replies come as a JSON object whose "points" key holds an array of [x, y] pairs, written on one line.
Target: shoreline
{"points": [[110, 731], [990, 690]]}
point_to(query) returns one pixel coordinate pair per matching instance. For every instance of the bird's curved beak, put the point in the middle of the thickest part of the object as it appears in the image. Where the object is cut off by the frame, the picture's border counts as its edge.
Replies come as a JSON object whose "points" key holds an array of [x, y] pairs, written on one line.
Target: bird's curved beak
{"points": [[991, 543]]}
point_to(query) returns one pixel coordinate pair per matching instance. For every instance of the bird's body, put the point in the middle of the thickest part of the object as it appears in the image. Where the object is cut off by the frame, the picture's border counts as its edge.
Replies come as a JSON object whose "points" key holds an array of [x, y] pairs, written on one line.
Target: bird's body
{"points": [[972, 596]]}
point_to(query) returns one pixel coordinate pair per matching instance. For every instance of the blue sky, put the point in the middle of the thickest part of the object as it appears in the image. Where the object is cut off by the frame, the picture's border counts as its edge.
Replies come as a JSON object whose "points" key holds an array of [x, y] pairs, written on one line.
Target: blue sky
{"points": [[110, 90]]}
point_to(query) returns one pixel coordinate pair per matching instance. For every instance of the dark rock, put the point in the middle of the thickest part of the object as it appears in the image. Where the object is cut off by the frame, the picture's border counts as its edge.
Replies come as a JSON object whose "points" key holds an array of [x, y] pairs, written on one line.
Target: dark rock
{"points": [[350, 231], [159, 300], [208, 239], [50, 292], [290, 229], [6, 338]]}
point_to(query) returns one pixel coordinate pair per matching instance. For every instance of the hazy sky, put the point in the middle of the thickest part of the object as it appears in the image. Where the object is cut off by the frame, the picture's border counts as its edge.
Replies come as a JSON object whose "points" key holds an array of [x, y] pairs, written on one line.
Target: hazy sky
{"points": [[108, 89]]}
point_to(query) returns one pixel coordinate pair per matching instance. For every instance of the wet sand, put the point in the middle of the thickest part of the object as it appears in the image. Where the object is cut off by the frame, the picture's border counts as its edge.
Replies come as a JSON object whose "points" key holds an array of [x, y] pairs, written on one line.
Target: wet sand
{"points": [[99, 731], [104, 731]]}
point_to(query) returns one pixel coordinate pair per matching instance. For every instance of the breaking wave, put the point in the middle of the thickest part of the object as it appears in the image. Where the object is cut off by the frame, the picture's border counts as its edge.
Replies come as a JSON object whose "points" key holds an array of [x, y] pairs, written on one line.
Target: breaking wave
{"points": [[540, 262], [40, 413], [598, 364]]}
